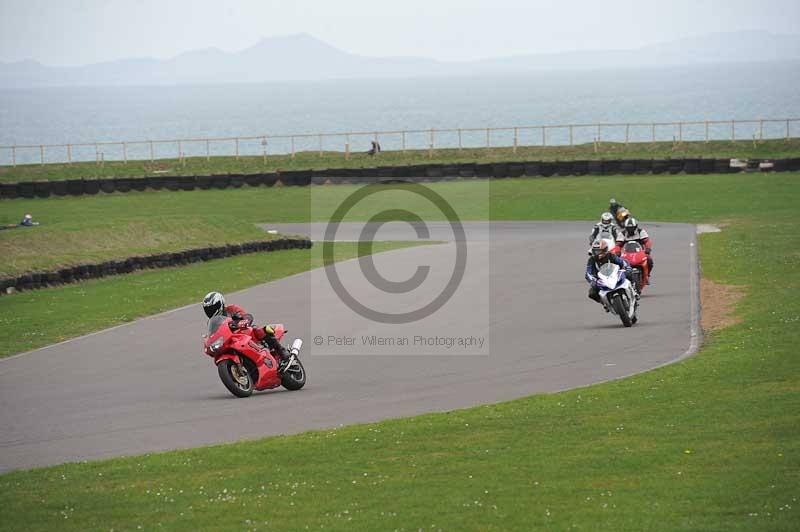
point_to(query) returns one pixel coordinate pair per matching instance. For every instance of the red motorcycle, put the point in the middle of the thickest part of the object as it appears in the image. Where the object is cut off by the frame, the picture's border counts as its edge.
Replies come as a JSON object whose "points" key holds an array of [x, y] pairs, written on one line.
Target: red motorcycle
{"points": [[634, 254], [244, 364]]}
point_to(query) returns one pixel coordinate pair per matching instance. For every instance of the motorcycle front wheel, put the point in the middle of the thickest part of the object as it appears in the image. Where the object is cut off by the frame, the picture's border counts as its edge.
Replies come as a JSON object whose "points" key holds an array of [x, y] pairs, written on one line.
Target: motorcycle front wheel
{"points": [[236, 378], [622, 312]]}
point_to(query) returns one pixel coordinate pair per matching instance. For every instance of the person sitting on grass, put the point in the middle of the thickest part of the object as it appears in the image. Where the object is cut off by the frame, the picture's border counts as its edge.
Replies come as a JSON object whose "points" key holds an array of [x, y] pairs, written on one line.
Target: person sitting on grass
{"points": [[27, 221]]}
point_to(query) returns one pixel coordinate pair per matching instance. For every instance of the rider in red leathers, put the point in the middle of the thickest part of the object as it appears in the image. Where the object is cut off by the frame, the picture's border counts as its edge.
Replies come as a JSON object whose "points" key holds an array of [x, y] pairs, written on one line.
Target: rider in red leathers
{"points": [[632, 232], [214, 305]]}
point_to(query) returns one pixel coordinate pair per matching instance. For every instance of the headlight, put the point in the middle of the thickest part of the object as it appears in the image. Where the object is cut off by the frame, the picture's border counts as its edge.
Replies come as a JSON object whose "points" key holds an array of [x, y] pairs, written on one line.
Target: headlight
{"points": [[216, 344]]}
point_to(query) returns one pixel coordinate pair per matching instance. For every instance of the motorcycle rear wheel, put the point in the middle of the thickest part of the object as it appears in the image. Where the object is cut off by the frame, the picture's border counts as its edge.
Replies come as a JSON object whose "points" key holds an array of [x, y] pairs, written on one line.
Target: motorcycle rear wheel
{"points": [[294, 377], [238, 382], [622, 312]]}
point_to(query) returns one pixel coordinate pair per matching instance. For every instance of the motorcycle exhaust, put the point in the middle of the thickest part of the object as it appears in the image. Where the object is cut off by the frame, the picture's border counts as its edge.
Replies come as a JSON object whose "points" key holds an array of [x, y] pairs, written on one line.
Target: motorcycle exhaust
{"points": [[296, 346]]}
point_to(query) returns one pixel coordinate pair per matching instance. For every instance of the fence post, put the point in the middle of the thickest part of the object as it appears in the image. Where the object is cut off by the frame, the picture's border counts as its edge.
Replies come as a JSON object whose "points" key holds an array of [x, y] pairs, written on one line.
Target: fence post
{"points": [[430, 149], [787, 130], [151, 151], [320, 145], [180, 151], [264, 148], [598, 132], [96, 154], [733, 130], [14, 148], [627, 133], [293, 147], [544, 136], [208, 150], [347, 149], [570, 135], [237, 148], [404, 141], [459, 139], [41, 153], [125, 152], [760, 130], [680, 131], [487, 138], [706, 131], [654, 131], [514, 150], [69, 153]]}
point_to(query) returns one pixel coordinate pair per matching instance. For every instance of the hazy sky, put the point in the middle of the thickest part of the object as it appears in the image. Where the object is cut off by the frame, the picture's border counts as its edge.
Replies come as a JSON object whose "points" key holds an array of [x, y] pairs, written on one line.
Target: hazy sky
{"points": [[69, 32]]}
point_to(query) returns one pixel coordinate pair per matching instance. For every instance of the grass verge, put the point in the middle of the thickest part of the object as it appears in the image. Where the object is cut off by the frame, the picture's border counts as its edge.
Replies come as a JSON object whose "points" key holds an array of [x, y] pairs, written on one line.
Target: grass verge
{"points": [[105, 227], [712, 443], [766, 149], [40, 317]]}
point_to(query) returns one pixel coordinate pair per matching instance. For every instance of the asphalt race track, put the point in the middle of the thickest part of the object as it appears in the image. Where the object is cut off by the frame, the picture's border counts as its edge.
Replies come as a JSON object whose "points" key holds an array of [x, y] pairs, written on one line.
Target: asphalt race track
{"points": [[147, 386]]}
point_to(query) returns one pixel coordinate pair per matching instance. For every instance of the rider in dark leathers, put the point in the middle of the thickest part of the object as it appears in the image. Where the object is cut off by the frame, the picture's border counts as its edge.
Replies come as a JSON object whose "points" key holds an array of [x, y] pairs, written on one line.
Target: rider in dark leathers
{"points": [[601, 255]]}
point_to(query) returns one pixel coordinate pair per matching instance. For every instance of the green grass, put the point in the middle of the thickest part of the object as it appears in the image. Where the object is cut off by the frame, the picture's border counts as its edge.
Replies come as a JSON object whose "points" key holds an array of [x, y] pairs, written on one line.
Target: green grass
{"points": [[90, 229], [711, 443], [40, 317], [767, 149], [93, 229]]}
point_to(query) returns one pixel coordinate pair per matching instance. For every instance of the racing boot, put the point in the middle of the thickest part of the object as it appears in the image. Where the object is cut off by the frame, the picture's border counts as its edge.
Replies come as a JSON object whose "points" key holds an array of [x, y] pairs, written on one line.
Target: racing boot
{"points": [[284, 357]]}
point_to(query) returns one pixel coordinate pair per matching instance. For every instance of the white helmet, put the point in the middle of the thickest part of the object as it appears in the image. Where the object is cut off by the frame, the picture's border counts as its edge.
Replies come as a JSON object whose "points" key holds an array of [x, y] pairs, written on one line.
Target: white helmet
{"points": [[606, 218], [213, 304]]}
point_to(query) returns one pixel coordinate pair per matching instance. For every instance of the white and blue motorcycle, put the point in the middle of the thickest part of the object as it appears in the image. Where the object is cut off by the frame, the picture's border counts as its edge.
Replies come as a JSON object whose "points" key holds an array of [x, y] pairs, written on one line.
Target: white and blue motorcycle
{"points": [[617, 293]]}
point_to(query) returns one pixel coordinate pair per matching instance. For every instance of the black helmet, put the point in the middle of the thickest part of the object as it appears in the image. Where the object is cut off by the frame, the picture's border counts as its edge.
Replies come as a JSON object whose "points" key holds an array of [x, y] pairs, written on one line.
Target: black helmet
{"points": [[630, 226], [213, 304]]}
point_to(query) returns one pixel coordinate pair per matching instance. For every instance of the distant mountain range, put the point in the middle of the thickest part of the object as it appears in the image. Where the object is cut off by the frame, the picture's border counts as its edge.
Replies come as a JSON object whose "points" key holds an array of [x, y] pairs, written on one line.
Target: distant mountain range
{"points": [[303, 57]]}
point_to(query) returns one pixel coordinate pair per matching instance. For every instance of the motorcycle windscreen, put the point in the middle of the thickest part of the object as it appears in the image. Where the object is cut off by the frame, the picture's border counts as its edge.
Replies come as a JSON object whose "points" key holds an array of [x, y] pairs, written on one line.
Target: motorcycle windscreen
{"points": [[609, 269], [632, 247], [214, 324]]}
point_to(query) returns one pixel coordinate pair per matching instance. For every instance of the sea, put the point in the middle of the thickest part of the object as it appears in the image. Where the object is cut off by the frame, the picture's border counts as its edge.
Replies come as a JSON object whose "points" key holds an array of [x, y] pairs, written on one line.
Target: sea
{"points": [[271, 112]]}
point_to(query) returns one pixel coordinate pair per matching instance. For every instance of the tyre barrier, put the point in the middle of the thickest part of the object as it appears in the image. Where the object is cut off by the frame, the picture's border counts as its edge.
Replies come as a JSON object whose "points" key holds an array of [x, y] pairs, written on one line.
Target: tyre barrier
{"points": [[659, 167], [107, 186], [516, 169], [138, 184], [34, 280], [383, 174], [580, 167], [595, 168], [627, 167]]}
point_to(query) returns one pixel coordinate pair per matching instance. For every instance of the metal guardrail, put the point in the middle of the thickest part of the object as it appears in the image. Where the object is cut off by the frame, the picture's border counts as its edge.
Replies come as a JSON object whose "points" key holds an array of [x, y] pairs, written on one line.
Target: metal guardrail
{"points": [[399, 140]]}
